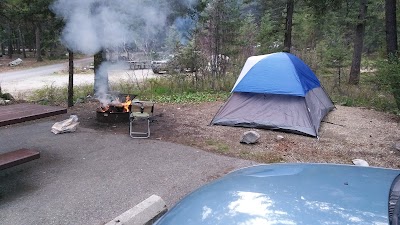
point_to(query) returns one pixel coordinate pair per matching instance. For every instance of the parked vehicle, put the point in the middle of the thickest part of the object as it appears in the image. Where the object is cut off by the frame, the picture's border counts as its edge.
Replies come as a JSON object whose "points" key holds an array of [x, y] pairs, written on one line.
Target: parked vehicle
{"points": [[160, 66], [293, 194]]}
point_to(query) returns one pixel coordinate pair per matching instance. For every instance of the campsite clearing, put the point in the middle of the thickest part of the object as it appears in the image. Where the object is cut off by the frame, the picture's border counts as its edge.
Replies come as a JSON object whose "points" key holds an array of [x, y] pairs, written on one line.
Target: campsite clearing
{"points": [[346, 133]]}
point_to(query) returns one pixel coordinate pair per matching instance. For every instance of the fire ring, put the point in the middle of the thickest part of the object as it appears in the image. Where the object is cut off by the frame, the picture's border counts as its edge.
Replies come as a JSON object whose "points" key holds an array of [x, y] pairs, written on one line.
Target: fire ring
{"points": [[114, 113]]}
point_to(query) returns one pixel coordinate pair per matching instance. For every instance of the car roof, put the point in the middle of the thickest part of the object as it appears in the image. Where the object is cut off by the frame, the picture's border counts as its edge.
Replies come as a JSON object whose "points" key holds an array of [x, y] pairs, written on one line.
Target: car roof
{"points": [[290, 194]]}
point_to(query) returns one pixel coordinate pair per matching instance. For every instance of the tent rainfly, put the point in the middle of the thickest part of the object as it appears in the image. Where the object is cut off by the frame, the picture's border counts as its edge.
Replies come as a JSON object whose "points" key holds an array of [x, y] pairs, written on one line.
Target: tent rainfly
{"points": [[276, 91]]}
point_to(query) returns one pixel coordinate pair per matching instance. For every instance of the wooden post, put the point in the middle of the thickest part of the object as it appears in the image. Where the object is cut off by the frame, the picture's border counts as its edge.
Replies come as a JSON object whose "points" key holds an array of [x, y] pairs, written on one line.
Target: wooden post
{"points": [[71, 79]]}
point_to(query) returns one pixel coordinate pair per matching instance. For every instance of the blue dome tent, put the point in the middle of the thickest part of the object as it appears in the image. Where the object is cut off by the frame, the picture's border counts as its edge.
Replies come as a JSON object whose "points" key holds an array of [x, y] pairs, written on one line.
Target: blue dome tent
{"points": [[276, 91]]}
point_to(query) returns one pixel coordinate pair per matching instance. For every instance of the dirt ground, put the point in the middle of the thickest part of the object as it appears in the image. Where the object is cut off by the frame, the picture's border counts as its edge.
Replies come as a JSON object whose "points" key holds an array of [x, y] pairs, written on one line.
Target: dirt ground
{"points": [[26, 63], [347, 133]]}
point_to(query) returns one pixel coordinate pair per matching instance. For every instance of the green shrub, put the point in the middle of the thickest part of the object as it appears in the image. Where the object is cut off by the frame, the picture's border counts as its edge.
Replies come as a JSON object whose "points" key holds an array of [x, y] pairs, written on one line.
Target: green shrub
{"points": [[388, 77], [52, 95]]}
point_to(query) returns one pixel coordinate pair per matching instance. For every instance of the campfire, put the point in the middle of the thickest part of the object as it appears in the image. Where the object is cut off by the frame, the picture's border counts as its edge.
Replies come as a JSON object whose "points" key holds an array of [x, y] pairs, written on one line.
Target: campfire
{"points": [[117, 109]]}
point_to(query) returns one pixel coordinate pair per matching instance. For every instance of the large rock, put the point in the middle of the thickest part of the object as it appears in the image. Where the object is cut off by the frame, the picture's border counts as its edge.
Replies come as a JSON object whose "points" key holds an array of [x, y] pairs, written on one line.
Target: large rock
{"points": [[250, 137], [396, 146], [7, 96], [15, 62]]}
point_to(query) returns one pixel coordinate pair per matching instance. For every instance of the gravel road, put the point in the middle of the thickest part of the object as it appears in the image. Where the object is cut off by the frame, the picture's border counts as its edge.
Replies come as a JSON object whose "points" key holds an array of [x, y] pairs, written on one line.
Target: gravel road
{"points": [[22, 82]]}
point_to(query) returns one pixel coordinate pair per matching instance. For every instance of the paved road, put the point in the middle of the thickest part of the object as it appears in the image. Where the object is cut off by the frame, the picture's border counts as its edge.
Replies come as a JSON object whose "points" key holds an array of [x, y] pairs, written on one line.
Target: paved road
{"points": [[90, 177], [41, 71], [21, 83]]}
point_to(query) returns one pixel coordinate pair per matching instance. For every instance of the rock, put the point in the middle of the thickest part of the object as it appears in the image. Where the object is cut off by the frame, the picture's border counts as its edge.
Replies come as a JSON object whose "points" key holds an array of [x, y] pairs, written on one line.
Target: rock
{"points": [[7, 96], [279, 137], [360, 162], [15, 62], [396, 146], [79, 100], [250, 137]]}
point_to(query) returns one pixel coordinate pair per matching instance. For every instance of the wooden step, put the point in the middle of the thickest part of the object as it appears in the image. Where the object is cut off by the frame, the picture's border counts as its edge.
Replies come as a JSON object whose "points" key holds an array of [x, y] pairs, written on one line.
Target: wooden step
{"points": [[17, 157]]}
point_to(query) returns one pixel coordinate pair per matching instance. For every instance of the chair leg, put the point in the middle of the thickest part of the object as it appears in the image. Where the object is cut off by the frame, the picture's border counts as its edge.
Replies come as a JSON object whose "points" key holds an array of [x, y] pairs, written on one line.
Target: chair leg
{"points": [[148, 127], [136, 134]]}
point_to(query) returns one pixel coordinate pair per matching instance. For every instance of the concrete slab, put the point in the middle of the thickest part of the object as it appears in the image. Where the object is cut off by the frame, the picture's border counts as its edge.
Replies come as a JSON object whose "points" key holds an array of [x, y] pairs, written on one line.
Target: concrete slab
{"points": [[17, 113], [144, 213], [91, 176]]}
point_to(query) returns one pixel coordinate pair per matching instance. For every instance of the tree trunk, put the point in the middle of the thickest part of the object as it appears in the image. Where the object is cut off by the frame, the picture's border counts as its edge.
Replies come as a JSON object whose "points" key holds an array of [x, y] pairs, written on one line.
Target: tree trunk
{"points": [[391, 27], [38, 43], [18, 44], [98, 59], [3, 49], [392, 47], [100, 77], [71, 78], [288, 26], [22, 41], [354, 77], [10, 46]]}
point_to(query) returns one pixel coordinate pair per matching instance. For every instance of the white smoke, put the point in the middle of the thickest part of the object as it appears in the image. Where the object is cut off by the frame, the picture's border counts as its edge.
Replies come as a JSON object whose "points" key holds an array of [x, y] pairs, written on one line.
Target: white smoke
{"points": [[94, 25]]}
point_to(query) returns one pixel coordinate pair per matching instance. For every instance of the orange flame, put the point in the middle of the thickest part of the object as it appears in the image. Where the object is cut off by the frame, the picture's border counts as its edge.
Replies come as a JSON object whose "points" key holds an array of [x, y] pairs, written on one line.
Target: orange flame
{"points": [[127, 103], [117, 104]]}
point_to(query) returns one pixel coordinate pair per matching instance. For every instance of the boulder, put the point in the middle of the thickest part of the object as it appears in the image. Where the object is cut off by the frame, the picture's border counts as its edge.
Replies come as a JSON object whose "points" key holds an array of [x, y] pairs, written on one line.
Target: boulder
{"points": [[15, 62], [396, 146], [7, 96], [250, 137]]}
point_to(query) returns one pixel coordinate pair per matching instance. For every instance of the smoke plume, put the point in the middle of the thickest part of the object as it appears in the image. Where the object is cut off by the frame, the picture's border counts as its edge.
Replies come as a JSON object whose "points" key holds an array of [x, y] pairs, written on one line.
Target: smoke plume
{"points": [[94, 25]]}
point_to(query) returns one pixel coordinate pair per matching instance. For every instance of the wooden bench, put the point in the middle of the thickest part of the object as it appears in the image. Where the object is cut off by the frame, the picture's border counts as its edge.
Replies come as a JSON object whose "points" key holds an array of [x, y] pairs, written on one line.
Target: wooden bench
{"points": [[17, 157]]}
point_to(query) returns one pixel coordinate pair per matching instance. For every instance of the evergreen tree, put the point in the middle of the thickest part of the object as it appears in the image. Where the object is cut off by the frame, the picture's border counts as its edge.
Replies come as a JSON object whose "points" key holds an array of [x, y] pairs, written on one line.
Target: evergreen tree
{"points": [[270, 37], [354, 77]]}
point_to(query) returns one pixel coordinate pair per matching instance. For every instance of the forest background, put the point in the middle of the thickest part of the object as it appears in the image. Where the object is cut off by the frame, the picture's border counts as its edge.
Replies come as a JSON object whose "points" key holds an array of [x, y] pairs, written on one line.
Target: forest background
{"points": [[351, 45]]}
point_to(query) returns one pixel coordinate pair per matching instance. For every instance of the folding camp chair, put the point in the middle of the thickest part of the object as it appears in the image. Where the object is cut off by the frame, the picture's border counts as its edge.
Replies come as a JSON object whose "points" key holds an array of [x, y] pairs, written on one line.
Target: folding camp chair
{"points": [[140, 111]]}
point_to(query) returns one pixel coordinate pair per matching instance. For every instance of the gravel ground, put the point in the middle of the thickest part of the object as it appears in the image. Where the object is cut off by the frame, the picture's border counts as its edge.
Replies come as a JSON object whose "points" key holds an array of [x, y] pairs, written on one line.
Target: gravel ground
{"points": [[347, 133]]}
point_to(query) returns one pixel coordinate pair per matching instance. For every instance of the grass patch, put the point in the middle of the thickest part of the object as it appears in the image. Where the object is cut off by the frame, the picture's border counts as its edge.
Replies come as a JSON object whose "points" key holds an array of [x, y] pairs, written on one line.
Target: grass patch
{"points": [[194, 88], [171, 89], [266, 157], [218, 146], [53, 95], [261, 157], [370, 93]]}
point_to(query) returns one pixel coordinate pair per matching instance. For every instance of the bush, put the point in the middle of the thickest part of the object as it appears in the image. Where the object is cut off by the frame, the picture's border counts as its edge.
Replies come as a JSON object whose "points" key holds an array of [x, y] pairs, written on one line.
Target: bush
{"points": [[388, 77]]}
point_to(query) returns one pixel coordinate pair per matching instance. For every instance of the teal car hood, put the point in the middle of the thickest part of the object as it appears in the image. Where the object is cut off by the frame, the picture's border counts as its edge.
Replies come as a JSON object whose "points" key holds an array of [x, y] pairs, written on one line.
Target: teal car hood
{"points": [[289, 194]]}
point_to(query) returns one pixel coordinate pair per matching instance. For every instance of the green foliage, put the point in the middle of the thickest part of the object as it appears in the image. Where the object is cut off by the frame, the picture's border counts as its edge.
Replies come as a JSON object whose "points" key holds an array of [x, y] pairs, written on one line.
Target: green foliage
{"points": [[370, 93], [320, 7], [218, 146], [179, 88], [388, 76], [323, 34], [191, 97], [247, 39], [374, 41], [304, 31], [52, 95], [49, 95], [187, 58], [269, 38]]}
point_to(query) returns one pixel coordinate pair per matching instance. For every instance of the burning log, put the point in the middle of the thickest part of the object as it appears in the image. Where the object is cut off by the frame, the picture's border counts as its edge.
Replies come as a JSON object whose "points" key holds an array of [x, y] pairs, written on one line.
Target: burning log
{"points": [[115, 110]]}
